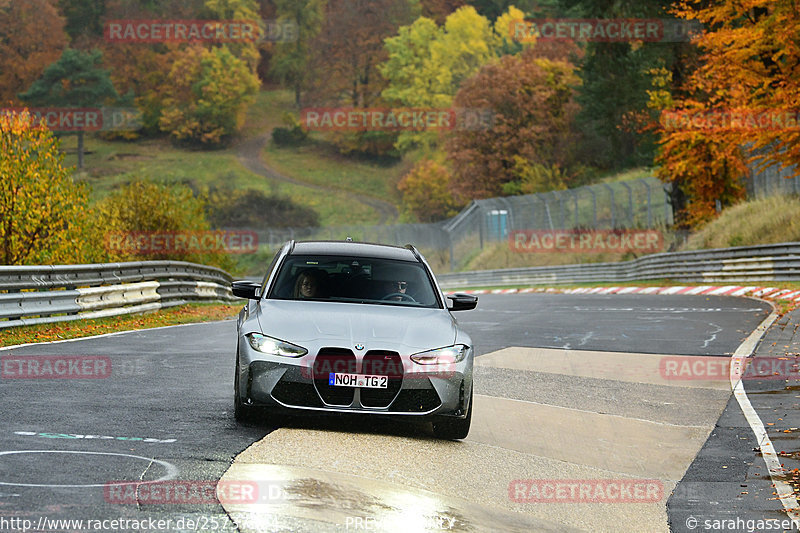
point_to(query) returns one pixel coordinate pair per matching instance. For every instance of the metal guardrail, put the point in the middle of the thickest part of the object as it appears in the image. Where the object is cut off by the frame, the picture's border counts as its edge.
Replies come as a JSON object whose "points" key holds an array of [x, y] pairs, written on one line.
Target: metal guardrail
{"points": [[58, 293], [769, 262], [44, 294]]}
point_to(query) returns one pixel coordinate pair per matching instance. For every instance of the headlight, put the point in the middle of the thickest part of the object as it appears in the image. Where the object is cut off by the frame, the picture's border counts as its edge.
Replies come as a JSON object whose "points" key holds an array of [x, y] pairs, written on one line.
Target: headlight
{"points": [[265, 344], [442, 356]]}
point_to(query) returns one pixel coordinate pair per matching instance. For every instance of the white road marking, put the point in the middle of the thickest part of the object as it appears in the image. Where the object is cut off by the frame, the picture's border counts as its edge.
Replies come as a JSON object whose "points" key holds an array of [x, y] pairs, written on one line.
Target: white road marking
{"points": [[713, 335], [783, 489], [172, 470]]}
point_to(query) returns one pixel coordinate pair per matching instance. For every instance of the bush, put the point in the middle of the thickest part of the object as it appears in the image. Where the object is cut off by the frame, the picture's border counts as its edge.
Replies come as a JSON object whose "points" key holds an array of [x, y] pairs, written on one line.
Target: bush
{"points": [[143, 207], [426, 192], [253, 209], [288, 136]]}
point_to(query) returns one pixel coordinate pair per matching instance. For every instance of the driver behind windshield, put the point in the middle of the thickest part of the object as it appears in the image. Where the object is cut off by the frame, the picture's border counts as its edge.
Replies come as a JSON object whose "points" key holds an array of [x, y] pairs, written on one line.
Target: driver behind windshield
{"points": [[309, 284], [395, 290]]}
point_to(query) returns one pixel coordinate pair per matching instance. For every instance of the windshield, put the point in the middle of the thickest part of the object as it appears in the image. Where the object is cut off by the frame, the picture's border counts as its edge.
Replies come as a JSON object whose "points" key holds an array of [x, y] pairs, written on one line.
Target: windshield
{"points": [[354, 279]]}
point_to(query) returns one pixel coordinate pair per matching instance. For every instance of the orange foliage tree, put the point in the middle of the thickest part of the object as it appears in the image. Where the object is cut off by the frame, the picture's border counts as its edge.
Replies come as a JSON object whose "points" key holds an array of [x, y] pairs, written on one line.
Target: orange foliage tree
{"points": [[749, 71], [25, 48]]}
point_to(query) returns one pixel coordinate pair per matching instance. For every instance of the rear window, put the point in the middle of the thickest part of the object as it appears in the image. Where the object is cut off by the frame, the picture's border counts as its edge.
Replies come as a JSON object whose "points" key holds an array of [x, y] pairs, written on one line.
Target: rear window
{"points": [[355, 280]]}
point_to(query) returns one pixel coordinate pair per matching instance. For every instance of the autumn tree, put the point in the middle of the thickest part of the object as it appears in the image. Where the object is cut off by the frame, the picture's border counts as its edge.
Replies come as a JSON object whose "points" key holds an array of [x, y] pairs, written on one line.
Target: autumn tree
{"points": [[291, 60], [143, 71], [614, 83], [750, 68], [427, 63], [42, 211], [346, 55], [145, 206], [208, 95], [238, 10], [438, 10], [426, 192], [77, 80], [532, 102], [350, 48], [25, 50]]}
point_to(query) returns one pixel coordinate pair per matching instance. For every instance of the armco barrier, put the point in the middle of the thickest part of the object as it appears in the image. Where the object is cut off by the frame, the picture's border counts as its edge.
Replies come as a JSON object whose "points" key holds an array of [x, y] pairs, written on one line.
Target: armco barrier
{"points": [[44, 294], [768, 262]]}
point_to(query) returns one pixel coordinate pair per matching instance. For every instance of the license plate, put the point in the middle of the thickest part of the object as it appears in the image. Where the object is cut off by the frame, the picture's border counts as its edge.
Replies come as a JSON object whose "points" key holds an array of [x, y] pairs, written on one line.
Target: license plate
{"points": [[357, 380]]}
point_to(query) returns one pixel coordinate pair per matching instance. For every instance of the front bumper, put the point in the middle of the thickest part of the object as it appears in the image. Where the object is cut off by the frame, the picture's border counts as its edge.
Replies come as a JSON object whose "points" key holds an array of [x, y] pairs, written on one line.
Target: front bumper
{"points": [[301, 384]]}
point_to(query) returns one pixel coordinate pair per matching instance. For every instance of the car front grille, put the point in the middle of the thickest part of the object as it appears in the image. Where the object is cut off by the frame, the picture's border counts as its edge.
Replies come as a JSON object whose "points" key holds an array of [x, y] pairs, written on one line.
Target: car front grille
{"points": [[339, 360], [382, 363]]}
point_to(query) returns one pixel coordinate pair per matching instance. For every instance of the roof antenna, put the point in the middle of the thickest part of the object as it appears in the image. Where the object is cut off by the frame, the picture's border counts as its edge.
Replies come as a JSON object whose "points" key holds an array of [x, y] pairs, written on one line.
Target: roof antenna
{"points": [[349, 239]]}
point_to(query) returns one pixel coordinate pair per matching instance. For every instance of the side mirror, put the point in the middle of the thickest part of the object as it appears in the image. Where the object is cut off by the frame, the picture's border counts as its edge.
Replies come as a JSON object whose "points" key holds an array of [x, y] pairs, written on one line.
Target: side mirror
{"points": [[246, 289], [462, 302]]}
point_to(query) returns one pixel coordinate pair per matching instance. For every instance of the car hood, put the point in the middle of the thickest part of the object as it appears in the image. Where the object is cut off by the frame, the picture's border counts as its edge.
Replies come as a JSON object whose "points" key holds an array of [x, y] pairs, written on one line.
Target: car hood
{"points": [[389, 327]]}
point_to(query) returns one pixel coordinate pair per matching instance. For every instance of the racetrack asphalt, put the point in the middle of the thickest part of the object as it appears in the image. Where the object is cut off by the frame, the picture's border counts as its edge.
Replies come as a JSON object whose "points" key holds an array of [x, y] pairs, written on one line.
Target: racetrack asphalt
{"points": [[568, 388]]}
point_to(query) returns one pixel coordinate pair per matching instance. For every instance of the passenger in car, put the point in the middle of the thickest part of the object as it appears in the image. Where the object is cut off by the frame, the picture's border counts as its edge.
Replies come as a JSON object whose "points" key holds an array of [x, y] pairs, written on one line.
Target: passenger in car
{"points": [[309, 284]]}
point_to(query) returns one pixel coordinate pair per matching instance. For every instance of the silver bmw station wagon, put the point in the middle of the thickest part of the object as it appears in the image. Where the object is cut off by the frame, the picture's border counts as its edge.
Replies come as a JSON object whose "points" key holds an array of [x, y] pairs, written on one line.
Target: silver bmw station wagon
{"points": [[352, 327]]}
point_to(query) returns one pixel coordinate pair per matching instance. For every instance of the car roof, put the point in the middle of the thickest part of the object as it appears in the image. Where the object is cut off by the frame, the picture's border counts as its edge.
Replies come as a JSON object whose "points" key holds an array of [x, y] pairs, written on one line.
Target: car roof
{"points": [[358, 249]]}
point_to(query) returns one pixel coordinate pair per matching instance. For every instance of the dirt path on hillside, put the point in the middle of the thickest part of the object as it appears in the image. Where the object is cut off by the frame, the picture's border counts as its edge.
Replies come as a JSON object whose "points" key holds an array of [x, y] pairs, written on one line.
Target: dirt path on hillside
{"points": [[250, 157]]}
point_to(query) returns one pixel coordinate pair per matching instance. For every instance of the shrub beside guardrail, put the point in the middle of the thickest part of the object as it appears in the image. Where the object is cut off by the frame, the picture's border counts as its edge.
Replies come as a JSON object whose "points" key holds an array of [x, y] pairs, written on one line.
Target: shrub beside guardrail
{"points": [[58, 293]]}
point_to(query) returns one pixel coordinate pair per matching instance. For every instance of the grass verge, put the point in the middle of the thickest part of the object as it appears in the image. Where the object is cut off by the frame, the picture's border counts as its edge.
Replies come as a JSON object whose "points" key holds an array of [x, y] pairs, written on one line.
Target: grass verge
{"points": [[184, 314], [770, 220], [109, 164]]}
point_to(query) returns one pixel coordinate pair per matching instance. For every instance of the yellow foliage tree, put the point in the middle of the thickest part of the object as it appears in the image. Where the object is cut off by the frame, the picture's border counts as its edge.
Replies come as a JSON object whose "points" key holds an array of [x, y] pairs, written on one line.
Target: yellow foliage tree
{"points": [[43, 216], [208, 95]]}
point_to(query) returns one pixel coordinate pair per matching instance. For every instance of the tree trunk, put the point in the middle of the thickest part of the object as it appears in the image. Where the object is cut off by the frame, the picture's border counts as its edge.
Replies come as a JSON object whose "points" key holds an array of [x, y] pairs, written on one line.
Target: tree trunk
{"points": [[80, 149]]}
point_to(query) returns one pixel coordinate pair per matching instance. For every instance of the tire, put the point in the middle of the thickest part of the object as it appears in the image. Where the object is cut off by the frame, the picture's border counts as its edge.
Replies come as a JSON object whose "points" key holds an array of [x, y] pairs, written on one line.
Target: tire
{"points": [[450, 428], [241, 412]]}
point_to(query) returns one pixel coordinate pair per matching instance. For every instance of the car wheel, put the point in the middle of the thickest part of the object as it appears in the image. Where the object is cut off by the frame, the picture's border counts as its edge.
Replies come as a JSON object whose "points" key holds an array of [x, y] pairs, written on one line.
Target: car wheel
{"points": [[450, 428], [241, 412]]}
